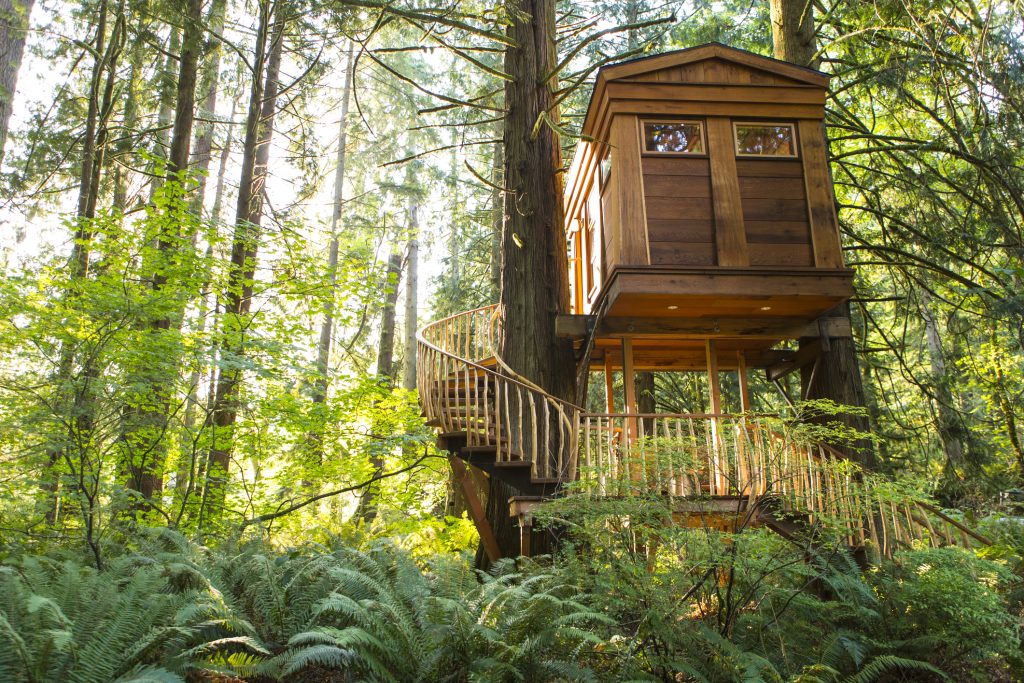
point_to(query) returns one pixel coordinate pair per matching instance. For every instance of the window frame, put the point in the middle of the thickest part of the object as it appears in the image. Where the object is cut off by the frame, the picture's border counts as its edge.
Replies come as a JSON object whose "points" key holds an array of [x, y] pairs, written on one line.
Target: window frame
{"points": [[774, 124], [643, 138]]}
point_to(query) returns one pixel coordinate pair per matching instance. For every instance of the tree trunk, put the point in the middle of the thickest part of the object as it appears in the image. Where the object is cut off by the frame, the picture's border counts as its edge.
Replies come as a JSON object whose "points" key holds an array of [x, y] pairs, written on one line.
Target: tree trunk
{"points": [[534, 273], [836, 374], [793, 32], [497, 216], [323, 359], [411, 298], [386, 343], [202, 150], [165, 112], [237, 301], [144, 436], [14, 20], [75, 390]]}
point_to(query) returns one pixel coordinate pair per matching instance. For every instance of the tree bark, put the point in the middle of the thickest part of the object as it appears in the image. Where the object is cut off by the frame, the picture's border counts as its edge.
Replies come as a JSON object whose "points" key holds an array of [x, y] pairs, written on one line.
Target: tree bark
{"points": [[237, 300], [202, 149], [412, 259], [534, 273], [14, 21], [386, 343], [836, 374], [793, 32], [145, 424], [322, 382]]}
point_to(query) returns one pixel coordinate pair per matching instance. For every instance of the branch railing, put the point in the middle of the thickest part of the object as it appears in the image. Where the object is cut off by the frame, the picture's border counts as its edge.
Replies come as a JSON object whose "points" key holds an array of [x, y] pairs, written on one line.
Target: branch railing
{"points": [[464, 387], [759, 458]]}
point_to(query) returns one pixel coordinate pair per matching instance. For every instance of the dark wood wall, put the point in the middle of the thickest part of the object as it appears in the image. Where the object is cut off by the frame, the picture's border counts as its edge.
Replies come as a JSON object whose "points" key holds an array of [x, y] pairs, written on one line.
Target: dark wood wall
{"points": [[680, 223], [775, 212]]}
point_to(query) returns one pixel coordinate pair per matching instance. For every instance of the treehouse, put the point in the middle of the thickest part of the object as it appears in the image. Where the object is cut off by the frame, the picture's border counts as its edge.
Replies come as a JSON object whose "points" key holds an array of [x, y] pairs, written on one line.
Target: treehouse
{"points": [[700, 233], [700, 208]]}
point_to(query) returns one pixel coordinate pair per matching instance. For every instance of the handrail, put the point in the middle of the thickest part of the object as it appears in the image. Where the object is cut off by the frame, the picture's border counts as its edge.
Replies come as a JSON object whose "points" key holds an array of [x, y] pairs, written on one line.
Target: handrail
{"points": [[495, 409], [719, 454]]}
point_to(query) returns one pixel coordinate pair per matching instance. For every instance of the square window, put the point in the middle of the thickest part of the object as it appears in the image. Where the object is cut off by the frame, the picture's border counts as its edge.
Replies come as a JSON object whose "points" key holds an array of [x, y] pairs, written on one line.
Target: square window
{"points": [[765, 139], [674, 137]]}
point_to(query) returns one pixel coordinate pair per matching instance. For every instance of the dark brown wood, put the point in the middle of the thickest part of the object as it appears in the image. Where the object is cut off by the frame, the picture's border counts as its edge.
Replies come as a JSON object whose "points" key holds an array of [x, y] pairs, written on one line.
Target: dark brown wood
{"points": [[676, 166], [793, 254], [680, 230], [730, 236], [475, 508], [769, 168], [575, 327], [683, 253]]}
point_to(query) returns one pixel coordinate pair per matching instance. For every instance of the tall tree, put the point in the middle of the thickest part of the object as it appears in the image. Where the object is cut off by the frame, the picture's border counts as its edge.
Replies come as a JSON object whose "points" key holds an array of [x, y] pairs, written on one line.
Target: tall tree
{"points": [[835, 375], [14, 21], [237, 299]]}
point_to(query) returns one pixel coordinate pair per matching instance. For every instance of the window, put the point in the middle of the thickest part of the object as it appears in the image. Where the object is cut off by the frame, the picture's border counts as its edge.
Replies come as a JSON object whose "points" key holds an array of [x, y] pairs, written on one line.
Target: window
{"points": [[765, 139], [606, 169], [673, 137]]}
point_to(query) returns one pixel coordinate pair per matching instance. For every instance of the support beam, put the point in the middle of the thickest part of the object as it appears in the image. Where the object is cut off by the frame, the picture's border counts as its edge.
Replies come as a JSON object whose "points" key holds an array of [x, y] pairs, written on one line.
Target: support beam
{"points": [[629, 384], [807, 354], [741, 370], [609, 384], [476, 508], [576, 327]]}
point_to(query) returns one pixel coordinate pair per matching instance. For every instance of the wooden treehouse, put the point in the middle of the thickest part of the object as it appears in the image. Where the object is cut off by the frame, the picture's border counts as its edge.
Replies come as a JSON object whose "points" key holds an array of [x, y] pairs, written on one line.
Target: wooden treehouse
{"points": [[701, 234]]}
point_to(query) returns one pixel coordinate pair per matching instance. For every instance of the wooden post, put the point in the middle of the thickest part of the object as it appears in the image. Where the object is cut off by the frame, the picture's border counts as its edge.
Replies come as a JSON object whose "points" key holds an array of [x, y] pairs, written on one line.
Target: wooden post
{"points": [[609, 383], [629, 385], [476, 509], [715, 395], [741, 369]]}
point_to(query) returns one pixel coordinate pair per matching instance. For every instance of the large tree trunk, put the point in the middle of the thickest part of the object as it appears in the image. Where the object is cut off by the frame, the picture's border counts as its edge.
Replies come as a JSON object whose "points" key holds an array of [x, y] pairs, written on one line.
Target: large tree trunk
{"points": [[237, 300], [14, 19], [534, 273], [836, 374], [144, 437]]}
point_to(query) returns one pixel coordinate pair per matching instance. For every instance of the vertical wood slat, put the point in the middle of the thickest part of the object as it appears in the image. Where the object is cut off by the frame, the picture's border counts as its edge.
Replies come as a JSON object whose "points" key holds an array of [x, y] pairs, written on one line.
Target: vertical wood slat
{"points": [[730, 233], [624, 139], [821, 207]]}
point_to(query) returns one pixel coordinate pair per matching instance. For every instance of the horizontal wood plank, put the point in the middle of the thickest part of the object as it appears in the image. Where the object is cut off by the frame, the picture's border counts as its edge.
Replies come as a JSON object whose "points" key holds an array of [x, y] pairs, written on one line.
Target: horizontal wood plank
{"points": [[774, 209], [781, 255], [683, 253], [770, 168], [676, 165], [771, 188], [689, 208], [680, 230], [778, 232], [677, 186]]}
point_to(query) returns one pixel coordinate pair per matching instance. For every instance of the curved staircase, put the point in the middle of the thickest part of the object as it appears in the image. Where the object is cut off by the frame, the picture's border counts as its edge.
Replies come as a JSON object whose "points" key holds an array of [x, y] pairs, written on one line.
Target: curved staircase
{"points": [[757, 467]]}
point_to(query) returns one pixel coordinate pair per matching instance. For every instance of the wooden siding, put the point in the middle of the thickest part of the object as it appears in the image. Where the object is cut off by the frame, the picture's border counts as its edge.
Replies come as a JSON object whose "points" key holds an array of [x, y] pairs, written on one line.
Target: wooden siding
{"points": [[677, 191], [775, 212]]}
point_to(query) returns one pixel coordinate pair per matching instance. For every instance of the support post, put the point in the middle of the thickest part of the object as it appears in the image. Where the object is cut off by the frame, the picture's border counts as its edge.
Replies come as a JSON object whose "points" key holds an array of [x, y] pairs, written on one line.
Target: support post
{"points": [[609, 384], [741, 369], [715, 396], [629, 385], [476, 509]]}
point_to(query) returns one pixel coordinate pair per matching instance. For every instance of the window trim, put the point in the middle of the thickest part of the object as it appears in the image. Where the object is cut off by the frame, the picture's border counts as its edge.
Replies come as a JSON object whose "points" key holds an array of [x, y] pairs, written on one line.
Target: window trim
{"points": [[775, 124], [700, 124]]}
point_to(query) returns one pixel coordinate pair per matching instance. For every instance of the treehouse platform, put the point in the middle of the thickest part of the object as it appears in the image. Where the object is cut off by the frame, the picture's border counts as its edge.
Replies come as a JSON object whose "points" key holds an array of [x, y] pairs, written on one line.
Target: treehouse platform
{"points": [[701, 236]]}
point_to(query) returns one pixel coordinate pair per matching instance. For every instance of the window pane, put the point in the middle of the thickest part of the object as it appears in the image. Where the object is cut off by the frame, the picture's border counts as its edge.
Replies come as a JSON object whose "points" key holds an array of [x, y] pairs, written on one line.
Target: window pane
{"points": [[765, 140], [680, 138]]}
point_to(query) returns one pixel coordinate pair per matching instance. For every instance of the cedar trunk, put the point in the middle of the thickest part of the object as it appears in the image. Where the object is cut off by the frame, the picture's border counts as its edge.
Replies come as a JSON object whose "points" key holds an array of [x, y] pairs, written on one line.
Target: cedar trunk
{"points": [[14, 16], [534, 273], [835, 375]]}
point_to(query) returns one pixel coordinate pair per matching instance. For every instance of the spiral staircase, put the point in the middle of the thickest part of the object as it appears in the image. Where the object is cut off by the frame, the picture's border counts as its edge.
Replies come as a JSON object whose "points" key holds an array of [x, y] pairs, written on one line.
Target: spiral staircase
{"points": [[751, 467]]}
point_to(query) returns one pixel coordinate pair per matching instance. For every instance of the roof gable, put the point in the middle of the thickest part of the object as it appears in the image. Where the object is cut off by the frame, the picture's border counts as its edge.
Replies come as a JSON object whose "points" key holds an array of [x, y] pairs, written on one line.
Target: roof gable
{"points": [[713, 63]]}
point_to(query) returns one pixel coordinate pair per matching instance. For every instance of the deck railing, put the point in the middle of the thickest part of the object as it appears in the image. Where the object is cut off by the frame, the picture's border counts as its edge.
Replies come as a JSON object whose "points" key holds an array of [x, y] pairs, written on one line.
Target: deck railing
{"points": [[465, 388]]}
